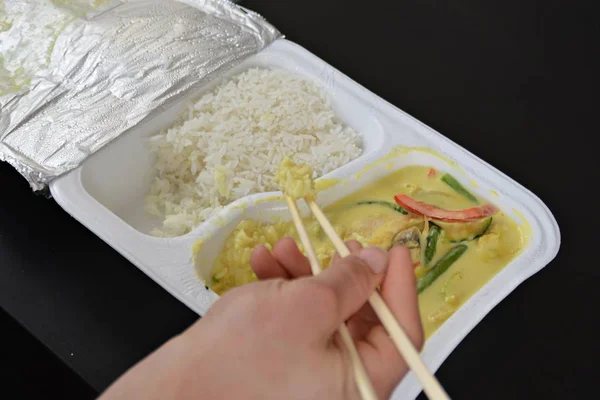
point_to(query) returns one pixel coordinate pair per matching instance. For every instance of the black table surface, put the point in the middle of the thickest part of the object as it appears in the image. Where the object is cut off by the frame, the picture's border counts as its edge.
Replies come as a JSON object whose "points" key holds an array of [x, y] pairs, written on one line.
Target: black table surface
{"points": [[511, 81]]}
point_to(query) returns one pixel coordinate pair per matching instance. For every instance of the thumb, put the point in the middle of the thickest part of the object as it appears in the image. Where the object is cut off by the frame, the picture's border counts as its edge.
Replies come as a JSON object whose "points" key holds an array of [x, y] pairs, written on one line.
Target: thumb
{"points": [[353, 279]]}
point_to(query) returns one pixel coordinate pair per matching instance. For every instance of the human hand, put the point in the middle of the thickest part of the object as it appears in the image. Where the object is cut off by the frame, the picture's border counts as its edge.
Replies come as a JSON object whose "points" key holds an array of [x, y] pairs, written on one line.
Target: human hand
{"points": [[384, 364], [277, 338]]}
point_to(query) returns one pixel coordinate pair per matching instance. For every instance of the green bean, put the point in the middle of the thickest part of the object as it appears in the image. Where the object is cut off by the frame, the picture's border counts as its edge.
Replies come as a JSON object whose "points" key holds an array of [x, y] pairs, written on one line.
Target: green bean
{"points": [[441, 266], [393, 206], [457, 187], [431, 244]]}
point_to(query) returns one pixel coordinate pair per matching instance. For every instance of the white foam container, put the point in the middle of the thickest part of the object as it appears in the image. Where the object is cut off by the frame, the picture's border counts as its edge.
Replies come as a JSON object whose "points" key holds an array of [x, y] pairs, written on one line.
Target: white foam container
{"points": [[106, 194]]}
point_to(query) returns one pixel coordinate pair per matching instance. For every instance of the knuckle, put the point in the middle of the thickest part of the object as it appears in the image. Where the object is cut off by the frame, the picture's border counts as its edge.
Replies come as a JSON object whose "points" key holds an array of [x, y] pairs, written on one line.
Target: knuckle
{"points": [[324, 296], [358, 275], [268, 306], [257, 297], [277, 289]]}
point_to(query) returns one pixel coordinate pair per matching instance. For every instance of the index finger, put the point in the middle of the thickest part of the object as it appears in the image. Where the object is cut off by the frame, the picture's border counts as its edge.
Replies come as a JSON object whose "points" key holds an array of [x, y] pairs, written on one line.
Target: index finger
{"points": [[291, 259], [265, 265]]}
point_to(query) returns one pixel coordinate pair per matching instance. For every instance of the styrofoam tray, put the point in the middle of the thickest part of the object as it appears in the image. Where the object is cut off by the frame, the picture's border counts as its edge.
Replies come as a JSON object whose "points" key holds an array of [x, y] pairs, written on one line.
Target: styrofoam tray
{"points": [[107, 192]]}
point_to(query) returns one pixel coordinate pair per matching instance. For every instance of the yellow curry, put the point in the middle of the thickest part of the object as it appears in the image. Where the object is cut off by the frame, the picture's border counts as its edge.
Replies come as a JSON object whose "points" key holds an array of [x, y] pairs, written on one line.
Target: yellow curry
{"points": [[457, 241]]}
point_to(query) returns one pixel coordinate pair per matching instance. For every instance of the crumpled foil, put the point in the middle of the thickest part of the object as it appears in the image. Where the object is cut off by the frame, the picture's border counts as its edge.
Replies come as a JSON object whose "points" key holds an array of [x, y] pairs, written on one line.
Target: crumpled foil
{"points": [[76, 74]]}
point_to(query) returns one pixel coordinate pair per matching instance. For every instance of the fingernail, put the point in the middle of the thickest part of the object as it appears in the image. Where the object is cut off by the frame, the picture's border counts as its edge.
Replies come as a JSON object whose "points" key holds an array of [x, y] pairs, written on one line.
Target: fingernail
{"points": [[260, 247], [375, 257]]}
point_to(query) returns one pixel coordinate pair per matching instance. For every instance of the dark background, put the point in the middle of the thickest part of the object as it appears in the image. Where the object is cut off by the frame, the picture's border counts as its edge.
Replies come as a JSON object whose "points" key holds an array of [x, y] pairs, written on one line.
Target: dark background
{"points": [[513, 82]]}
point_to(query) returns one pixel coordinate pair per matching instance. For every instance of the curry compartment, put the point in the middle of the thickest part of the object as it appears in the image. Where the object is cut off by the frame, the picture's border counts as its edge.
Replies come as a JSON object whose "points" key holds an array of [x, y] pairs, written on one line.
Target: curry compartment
{"points": [[360, 209], [107, 193]]}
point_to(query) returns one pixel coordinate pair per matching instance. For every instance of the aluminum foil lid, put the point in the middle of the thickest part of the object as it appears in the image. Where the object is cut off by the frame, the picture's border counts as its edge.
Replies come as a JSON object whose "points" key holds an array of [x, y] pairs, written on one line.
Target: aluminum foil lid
{"points": [[75, 74]]}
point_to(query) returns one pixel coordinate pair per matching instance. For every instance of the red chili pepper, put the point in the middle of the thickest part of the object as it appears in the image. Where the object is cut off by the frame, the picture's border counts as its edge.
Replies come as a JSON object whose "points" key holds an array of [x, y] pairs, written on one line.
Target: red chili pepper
{"points": [[433, 212], [416, 265], [431, 172]]}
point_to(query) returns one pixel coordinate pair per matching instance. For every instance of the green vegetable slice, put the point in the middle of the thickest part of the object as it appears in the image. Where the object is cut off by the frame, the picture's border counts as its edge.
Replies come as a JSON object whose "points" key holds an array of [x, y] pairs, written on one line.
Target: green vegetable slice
{"points": [[457, 232]]}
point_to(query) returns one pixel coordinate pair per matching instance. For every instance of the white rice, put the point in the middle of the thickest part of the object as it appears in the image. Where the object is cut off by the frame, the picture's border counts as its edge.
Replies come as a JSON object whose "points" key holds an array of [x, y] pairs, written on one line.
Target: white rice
{"points": [[233, 140]]}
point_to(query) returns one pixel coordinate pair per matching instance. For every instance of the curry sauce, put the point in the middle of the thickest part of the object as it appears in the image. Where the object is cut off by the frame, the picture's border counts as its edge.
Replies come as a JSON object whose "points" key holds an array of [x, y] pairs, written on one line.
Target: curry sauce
{"points": [[457, 241]]}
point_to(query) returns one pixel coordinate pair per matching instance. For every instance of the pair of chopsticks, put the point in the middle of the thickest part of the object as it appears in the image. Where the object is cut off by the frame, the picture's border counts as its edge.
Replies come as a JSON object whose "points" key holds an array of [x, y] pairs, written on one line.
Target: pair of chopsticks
{"points": [[430, 384]]}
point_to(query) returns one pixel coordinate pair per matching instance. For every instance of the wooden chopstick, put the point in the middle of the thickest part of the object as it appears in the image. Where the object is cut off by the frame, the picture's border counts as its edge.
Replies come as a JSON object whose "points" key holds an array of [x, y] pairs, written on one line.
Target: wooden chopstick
{"points": [[430, 384], [363, 382]]}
